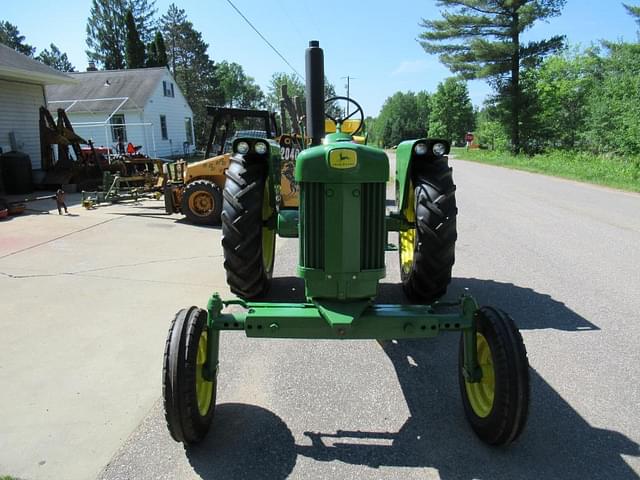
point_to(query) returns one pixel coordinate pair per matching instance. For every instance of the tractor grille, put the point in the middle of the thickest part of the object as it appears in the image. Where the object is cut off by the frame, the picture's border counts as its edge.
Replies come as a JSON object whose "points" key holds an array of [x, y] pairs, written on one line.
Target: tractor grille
{"points": [[372, 224], [312, 225]]}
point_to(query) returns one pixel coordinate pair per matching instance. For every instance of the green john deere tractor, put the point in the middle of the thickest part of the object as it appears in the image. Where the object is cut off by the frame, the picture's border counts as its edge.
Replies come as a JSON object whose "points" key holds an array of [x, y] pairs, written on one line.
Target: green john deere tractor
{"points": [[342, 225]]}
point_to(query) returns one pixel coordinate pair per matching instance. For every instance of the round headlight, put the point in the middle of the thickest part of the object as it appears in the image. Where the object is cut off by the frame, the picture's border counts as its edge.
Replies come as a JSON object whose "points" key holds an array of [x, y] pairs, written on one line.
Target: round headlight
{"points": [[421, 149], [261, 148], [439, 149], [242, 148]]}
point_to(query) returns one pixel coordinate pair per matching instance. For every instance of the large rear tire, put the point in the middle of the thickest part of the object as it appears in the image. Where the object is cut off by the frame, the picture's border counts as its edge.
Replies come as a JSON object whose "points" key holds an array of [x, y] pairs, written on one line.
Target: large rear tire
{"points": [[189, 399], [497, 406], [202, 202], [427, 252], [248, 240]]}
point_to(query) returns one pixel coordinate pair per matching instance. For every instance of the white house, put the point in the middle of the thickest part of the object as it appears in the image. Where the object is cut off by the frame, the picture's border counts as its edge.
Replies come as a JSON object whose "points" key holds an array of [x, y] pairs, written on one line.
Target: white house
{"points": [[22, 93], [142, 106]]}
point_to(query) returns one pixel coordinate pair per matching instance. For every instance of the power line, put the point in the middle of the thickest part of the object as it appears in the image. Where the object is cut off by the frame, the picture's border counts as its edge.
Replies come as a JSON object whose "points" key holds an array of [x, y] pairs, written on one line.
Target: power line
{"points": [[263, 38]]}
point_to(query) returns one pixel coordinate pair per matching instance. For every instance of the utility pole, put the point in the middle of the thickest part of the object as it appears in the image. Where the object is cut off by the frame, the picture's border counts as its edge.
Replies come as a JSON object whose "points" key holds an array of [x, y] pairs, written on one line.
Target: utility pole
{"points": [[348, 78]]}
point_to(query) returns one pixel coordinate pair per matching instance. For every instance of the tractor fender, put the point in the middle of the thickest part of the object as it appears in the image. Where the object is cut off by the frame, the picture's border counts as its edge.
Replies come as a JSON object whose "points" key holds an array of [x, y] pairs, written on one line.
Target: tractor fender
{"points": [[407, 161]]}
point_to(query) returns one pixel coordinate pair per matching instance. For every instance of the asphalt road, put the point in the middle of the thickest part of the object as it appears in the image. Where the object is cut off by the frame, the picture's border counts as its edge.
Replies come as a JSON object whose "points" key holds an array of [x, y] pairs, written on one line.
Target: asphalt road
{"points": [[86, 300], [563, 258]]}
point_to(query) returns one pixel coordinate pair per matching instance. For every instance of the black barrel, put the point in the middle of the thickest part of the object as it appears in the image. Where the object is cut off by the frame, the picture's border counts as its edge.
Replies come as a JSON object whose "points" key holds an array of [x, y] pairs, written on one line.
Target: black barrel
{"points": [[314, 62], [16, 173]]}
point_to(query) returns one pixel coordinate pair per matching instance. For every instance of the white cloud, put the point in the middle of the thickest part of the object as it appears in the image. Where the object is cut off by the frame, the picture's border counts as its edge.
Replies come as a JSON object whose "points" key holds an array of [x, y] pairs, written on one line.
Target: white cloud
{"points": [[410, 67]]}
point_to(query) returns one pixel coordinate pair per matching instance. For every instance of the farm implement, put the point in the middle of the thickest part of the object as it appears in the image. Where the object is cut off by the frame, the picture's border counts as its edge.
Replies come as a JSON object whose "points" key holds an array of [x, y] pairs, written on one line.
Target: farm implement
{"points": [[342, 226]]}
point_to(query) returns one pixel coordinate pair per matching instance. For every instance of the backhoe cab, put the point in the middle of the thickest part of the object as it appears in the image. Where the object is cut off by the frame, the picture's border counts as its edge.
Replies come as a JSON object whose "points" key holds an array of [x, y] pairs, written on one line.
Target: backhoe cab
{"points": [[197, 190]]}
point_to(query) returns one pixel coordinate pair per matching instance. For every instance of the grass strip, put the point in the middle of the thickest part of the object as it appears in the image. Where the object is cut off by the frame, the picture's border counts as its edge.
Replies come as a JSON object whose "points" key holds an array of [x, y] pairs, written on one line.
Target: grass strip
{"points": [[610, 171]]}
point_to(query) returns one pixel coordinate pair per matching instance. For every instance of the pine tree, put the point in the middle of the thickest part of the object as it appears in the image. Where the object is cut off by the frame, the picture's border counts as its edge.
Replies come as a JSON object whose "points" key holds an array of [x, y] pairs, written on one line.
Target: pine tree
{"points": [[144, 12], [105, 33], [634, 11], [107, 29], [190, 64], [152, 55], [56, 59], [482, 39], [134, 48], [157, 52], [10, 36], [161, 50]]}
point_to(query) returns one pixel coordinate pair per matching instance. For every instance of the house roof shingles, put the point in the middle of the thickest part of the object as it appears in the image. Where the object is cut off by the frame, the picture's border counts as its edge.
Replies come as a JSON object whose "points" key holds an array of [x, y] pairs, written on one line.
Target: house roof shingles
{"points": [[18, 67], [136, 84]]}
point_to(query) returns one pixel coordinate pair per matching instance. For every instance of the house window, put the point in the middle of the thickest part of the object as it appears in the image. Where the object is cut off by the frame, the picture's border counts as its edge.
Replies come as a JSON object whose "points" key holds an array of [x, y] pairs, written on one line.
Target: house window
{"points": [[118, 130], [167, 88], [163, 127], [188, 130]]}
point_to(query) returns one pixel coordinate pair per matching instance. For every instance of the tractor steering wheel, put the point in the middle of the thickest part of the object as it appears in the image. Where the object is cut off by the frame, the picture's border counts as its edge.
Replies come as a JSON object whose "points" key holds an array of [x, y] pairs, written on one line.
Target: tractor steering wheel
{"points": [[341, 120]]}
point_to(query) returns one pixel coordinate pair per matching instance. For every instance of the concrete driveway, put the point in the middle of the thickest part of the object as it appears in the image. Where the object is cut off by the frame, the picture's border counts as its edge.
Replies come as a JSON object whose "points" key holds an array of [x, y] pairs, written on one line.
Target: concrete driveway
{"points": [[88, 309], [85, 303]]}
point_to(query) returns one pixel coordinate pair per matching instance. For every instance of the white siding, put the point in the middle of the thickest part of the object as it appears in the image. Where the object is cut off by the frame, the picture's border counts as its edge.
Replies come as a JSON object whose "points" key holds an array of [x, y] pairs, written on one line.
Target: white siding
{"points": [[19, 104], [176, 109]]}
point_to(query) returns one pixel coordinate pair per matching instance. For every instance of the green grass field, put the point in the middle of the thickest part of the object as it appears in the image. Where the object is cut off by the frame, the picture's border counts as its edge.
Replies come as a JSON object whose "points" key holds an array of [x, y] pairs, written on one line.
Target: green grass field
{"points": [[616, 172]]}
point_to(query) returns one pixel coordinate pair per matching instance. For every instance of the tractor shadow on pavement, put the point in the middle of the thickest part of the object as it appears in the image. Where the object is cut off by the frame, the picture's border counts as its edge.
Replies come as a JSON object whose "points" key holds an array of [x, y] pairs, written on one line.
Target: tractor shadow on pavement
{"points": [[530, 310], [246, 441], [557, 442]]}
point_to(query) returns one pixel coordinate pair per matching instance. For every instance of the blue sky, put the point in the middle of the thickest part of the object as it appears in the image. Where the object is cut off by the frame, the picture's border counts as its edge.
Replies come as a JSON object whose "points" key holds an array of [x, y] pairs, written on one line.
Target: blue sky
{"points": [[376, 44]]}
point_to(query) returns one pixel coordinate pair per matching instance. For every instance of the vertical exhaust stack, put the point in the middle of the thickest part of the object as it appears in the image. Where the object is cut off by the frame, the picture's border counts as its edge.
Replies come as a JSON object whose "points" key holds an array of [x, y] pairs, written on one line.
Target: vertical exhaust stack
{"points": [[314, 62]]}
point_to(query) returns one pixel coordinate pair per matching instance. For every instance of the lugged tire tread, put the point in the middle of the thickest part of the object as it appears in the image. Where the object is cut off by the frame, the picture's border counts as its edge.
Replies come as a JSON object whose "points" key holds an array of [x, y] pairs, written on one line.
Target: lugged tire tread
{"points": [[242, 227], [436, 233]]}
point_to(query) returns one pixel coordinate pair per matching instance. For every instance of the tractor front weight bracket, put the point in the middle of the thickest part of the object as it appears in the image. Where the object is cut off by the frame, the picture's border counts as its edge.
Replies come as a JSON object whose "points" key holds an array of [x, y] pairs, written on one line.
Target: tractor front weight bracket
{"points": [[325, 320]]}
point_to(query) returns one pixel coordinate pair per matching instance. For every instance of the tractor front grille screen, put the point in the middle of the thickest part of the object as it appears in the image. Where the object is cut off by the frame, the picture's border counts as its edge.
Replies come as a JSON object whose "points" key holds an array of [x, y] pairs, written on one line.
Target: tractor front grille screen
{"points": [[372, 225], [312, 224]]}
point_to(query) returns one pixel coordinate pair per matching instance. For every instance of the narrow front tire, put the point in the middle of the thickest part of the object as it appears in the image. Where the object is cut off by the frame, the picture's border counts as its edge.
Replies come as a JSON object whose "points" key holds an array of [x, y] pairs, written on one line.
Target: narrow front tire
{"points": [[189, 398], [497, 406]]}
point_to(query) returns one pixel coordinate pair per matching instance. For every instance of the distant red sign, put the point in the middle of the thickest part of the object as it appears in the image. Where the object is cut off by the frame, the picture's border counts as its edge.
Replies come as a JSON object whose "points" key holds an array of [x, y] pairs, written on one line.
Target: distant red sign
{"points": [[469, 137]]}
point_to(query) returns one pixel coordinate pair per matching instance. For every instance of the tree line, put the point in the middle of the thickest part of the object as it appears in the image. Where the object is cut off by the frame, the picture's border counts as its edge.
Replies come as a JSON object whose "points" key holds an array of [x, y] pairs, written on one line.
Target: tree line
{"points": [[447, 113], [546, 94]]}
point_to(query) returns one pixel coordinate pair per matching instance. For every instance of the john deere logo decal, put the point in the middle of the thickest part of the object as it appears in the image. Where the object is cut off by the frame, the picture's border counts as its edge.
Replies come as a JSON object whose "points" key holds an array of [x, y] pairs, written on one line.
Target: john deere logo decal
{"points": [[343, 158]]}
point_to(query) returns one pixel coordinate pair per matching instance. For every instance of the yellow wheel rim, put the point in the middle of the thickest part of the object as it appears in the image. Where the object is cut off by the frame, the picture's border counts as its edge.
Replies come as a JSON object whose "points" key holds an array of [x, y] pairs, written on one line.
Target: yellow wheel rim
{"points": [[408, 238], [204, 388], [481, 394], [268, 235], [201, 203]]}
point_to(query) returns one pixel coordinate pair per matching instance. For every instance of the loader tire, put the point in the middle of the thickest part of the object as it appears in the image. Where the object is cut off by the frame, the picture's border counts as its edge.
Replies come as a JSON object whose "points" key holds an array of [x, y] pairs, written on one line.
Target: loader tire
{"points": [[202, 202], [426, 276], [248, 242]]}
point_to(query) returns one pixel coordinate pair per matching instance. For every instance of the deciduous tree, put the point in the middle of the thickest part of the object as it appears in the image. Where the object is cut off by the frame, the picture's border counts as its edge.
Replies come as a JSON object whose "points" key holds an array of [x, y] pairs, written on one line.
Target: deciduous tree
{"points": [[235, 88], [451, 115], [403, 116]]}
